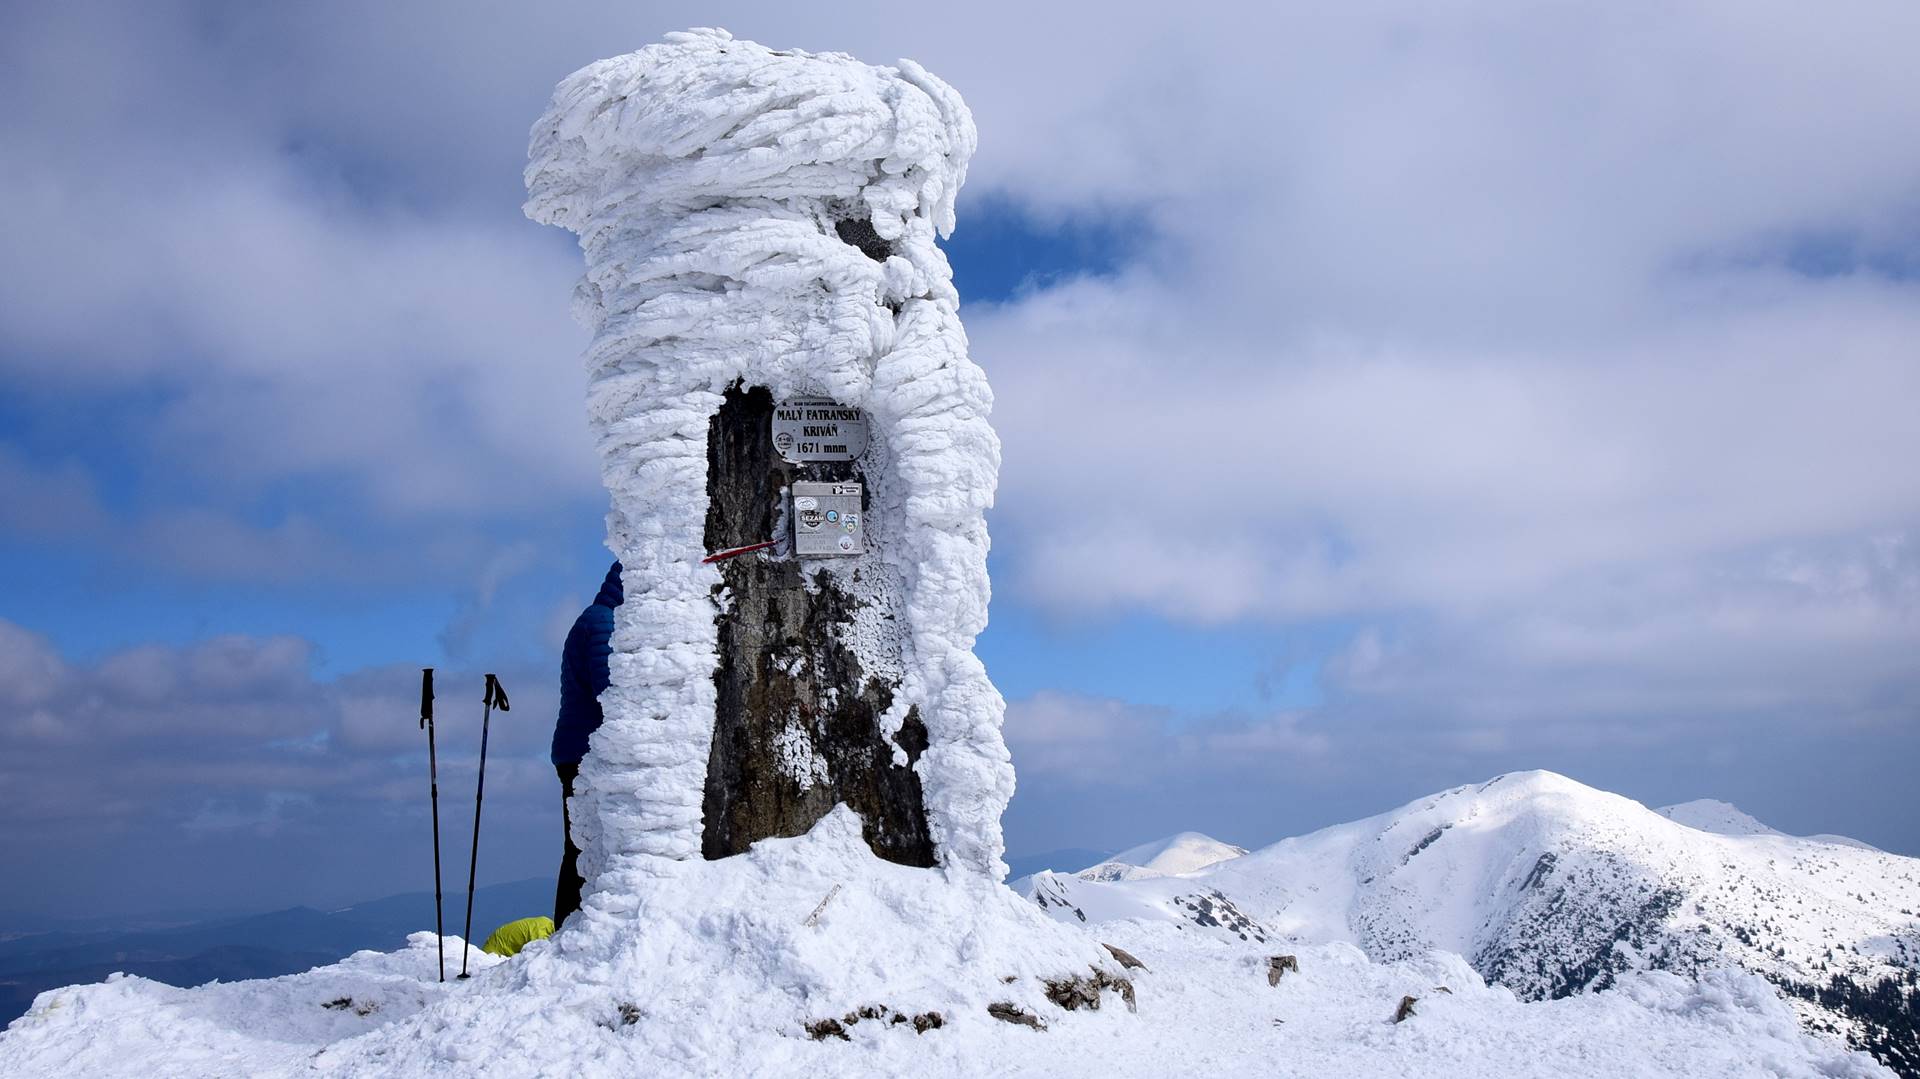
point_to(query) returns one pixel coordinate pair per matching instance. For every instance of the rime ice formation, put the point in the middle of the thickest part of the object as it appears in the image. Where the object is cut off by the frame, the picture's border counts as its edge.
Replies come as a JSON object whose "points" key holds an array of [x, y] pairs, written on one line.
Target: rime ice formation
{"points": [[768, 218], [758, 220]]}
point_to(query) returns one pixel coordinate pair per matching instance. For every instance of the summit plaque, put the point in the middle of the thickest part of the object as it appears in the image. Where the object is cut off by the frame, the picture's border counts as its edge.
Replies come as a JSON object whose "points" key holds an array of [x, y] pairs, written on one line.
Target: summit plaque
{"points": [[809, 429]]}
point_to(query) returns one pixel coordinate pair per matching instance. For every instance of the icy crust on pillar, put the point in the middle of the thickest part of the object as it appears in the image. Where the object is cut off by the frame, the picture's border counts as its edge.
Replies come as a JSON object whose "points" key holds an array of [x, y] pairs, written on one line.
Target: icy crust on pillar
{"points": [[769, 217]]}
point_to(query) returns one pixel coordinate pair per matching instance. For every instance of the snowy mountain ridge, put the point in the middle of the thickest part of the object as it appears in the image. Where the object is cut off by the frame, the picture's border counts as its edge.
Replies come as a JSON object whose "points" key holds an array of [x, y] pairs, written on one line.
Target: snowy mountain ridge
{"points": [[1552, 889], [1725, 818], [1716, 816]]}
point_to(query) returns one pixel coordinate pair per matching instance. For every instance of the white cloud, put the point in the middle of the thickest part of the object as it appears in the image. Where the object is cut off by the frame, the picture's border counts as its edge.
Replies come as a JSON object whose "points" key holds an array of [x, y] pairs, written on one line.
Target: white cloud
{"points": [[1484, 327], [172, 228], [1335, 479], [158, 733], [1815, 636], [1063, 742], [225, 772]]}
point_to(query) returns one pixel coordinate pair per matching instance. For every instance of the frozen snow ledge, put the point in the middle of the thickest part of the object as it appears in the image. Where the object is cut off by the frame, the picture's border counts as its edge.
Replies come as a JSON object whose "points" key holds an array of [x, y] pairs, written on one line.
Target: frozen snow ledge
{"points": [[769, 217]]}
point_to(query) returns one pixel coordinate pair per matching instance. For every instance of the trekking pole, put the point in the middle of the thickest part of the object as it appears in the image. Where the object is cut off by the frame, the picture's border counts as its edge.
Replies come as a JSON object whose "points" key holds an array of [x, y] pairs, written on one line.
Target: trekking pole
{"points": [[433, 788], [496, 697]]}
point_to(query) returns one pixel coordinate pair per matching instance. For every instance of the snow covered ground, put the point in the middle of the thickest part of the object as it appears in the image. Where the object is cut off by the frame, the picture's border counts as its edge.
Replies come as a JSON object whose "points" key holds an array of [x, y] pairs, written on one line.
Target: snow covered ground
{"points": [[1205, 1007], [727, 964], [135, 1027]]}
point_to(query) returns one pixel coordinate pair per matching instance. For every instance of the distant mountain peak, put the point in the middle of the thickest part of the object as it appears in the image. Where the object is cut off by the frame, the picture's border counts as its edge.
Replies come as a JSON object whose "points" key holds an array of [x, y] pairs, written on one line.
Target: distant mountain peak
{"points": [[1725, 818], [1720, 818], [1554, 888], [1180, 853]]}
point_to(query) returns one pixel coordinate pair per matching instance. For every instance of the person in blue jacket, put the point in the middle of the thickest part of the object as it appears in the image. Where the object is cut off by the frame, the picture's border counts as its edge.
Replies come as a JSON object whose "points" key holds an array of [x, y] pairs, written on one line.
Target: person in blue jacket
{"points": [[583, 677]]}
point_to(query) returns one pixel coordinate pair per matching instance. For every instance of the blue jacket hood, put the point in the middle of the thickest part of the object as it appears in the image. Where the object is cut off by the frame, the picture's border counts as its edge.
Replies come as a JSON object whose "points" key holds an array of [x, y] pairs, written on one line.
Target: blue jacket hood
{"points": [[583, 672], [612, 592]]}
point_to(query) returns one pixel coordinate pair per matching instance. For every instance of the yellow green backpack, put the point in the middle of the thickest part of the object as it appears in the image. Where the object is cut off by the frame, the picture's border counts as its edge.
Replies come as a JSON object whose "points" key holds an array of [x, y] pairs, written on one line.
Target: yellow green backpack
{"points": [[513, 936]]}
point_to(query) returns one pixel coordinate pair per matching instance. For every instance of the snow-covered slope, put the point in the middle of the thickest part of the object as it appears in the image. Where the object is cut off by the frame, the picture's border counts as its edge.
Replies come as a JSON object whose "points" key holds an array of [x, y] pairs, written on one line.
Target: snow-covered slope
{"points": [[1206, 1008], [724, 967], [1183, 852], [1552, 888], [132, 1026]]}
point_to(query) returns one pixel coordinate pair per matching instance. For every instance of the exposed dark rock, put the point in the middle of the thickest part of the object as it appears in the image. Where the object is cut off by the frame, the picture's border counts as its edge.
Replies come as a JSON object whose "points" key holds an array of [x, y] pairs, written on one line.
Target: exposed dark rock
{"points": [[789, 688], [1013, 1013], [1635, 914], [1429, 841], [822, 1029], [1405, 1010], [1280, 964], [1127, 961], [1542, 868], [1083, 990], [1215, 911], [1575, 909], [1886, 1012], [859, 232], [1049, 893], [625, 1014]]}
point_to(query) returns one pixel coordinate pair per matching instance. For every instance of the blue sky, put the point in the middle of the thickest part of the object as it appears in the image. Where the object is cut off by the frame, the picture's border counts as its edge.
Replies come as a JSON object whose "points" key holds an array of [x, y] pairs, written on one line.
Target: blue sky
{"points": [[1539, 388]]}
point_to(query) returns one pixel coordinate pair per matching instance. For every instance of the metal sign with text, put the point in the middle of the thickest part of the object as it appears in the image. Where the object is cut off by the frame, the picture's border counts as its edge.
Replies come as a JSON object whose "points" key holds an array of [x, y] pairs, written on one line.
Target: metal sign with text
{"points": [[809, 429]]}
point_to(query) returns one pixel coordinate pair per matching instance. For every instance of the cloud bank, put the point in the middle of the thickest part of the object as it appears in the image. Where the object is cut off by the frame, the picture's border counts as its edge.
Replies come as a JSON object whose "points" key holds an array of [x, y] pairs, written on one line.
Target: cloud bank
{"points": [[1550, 371]]}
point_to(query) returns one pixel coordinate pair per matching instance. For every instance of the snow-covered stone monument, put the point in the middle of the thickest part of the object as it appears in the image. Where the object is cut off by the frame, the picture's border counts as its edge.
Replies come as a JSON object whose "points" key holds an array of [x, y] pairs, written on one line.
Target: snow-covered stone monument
{"points": [[759, 231], [800, 461]]}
